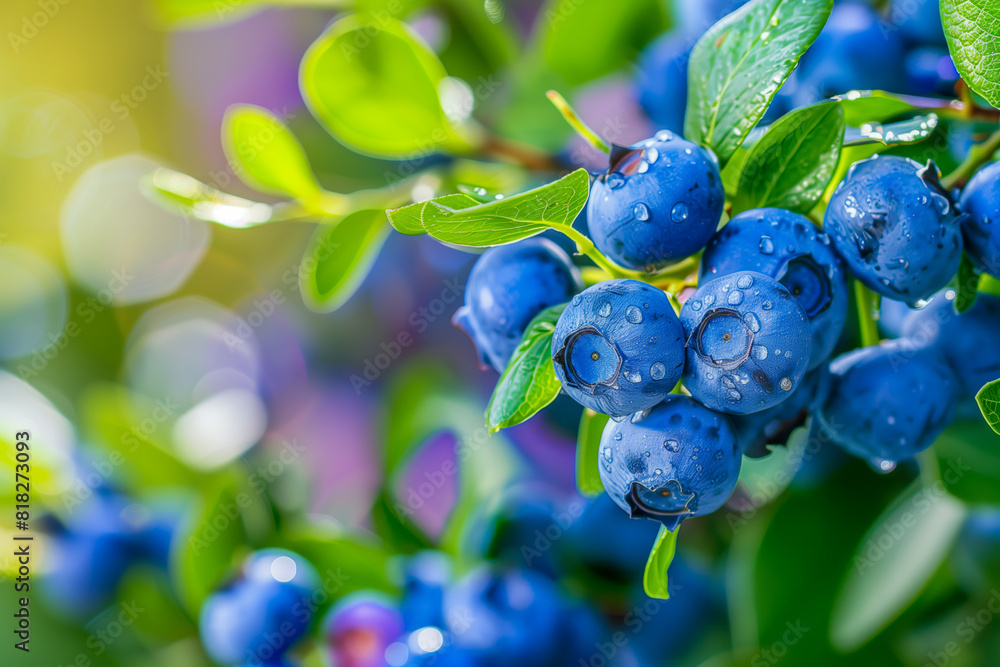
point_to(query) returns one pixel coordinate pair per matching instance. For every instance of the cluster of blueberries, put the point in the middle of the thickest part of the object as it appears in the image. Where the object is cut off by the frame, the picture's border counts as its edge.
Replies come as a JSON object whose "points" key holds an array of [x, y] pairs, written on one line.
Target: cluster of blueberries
{"points": [[752, 344], [907, 42]]}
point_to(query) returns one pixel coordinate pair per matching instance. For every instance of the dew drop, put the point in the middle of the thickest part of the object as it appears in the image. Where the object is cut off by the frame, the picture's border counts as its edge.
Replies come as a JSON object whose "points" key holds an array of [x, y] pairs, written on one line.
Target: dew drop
{"points": [[615, 180], [679, 212], [752, 322], [664, 135], [604, 309], [618, 436], [657, 371], [744, 282], [643, 167], [634, 378], [759, 352], [577, 299], [641, 212], [633, 314], [766, 245], [657, 471], [607, 454], [652, 155], [672, 445], [696, 305], [718, 455], [735, 298], [786, 384]]}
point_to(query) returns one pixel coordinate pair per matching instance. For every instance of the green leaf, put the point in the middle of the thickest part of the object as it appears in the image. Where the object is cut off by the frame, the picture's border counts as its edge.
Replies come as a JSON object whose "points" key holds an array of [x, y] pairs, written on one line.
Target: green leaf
{"points": [[870, 106], [970, 27], [654, 579], [339, 258], [969, 459], [793, 163], [461, 220], [967, 287], [586, 40], [209, 546], [893, 562], [908, 131], [191, 13], [988, 399], [741, 62], [269, 156], [376, 91], [588, 445], [529, 382]]}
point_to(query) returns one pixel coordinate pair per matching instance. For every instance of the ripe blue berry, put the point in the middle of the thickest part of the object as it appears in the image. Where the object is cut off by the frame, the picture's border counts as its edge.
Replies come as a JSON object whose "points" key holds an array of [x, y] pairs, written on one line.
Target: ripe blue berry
{"points": [[967, 341], [980, 201], [425, 576], [507, 287], [271, 598], [789, 248], [505, 618], [888, 402], [618, 347], [774, 425], [675, 461], [895, 226], [748, 343], [659, 201], [359, 628]]}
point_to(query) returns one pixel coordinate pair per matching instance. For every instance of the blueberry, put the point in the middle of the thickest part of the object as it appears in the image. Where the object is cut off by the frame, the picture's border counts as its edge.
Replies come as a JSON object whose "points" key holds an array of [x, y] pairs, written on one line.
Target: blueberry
{"points": [[748, 343], [271, 598], [968, 342], [892, 315], [895, 226], [774, 425], [789, 248], [662, 80], [675, 461], [888, 402], [618, 347], [425, 576], [980, 201], [844, 54], [505, 617], [659, 201], [507, 288], [359, 628]]}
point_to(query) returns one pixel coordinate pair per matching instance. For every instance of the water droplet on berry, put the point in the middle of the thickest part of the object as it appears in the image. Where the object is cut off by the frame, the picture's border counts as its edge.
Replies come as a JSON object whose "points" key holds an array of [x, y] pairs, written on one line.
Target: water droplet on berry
{"points": [[604, 309], [633, 377], [618, 436], [718, 455], [785, 384], [735, 299], [766, 305], [727, 382], [647, 454], [633, 314], [657, 371], [641, 212], [664, 135], [672, 445], [657, 471], [607, 454], [577, 299], [696, 305], [615, 180], [643, 167], [709, 300], [752, 322], [744, 282], [652, 155], [679, 212], [759, 352]]}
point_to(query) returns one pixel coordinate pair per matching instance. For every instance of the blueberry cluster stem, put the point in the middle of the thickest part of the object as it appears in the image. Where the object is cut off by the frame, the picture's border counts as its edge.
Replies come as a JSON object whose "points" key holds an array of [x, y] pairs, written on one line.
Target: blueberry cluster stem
{"points": [[977, 157], [866, 320]]}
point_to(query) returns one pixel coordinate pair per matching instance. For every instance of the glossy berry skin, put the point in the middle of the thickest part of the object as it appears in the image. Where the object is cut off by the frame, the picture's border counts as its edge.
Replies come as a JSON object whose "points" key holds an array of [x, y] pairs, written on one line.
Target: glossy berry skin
{"points": [[774, 425], [980, 201], [789, 248], [271, 599], [505, 617], [673, 462], [842, 57], [659, 201], [618, 347], [895, 226], [888, 402], [508, 286], [967, 341], [662, 80], [425, 577], [748, 343], [358, 629]]}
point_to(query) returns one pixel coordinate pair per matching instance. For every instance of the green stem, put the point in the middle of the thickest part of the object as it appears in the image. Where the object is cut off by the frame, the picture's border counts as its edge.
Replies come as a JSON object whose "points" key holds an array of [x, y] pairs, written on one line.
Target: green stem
{"points": [[930, 471], [586, 247], [977, 157], [576, 122], [866, 321]]}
